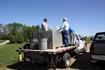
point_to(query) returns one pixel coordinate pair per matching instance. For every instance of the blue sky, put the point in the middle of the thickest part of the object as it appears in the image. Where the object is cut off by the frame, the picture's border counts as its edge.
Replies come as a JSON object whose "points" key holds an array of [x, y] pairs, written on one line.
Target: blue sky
{"points": [[86, 17]]}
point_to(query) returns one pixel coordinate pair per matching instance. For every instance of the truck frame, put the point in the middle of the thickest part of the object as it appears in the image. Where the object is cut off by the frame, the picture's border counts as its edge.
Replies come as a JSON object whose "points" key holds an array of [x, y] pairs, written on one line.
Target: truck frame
{"points": [[55, 57], [55, 54]]}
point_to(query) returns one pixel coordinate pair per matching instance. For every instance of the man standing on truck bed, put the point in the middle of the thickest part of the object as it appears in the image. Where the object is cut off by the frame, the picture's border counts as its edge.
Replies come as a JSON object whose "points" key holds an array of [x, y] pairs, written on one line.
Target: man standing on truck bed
{"points": [[44, 25], [72, 36], [65, 32]]}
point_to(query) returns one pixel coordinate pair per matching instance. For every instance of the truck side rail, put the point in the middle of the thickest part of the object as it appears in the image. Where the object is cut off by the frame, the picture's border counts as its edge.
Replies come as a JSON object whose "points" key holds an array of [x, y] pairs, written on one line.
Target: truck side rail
{"points": [[58, 50]]}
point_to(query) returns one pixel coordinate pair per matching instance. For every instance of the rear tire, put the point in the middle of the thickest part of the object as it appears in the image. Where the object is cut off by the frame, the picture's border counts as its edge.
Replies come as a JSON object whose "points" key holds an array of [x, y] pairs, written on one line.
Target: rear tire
{"points": [[66, 60]]}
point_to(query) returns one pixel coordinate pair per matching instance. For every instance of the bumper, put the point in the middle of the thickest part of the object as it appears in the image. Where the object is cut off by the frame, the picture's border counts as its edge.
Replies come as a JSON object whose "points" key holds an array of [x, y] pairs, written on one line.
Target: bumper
{"points": [[98, 57], [34, 57]]}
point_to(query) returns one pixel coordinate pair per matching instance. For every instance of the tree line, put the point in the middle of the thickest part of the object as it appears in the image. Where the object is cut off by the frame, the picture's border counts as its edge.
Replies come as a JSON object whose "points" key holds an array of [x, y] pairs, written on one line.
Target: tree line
{"points": [[16, 32]]}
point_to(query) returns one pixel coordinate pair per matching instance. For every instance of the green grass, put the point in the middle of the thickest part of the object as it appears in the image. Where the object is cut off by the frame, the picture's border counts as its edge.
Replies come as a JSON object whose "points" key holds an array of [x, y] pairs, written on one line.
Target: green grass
{"points": [[8, 54], [1, 41]]}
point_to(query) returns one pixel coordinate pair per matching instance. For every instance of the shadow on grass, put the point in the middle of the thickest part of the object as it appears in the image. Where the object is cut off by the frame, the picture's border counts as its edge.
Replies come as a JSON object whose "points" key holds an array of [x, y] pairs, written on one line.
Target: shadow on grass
{"points": [[27, 66]]}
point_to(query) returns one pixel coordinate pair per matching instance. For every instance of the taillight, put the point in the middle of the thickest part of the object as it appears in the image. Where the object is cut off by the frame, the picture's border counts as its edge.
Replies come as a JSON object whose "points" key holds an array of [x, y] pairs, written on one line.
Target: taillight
{"points": [[92, 48]]}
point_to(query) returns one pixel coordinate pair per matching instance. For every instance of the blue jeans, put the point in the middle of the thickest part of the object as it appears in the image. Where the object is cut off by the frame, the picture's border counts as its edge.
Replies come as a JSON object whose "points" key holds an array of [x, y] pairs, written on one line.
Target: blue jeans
{"points": [[65, 35]]}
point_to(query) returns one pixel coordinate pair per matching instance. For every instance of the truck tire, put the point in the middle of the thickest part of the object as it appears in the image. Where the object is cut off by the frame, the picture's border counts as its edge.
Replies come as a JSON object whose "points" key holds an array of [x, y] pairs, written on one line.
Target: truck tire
{"points": [[66, 60]]}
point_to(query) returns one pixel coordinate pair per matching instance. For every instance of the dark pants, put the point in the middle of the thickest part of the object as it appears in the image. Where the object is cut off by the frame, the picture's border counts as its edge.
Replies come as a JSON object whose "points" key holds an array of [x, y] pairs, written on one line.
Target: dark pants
{"points": [[72, 38], [65, 35]]}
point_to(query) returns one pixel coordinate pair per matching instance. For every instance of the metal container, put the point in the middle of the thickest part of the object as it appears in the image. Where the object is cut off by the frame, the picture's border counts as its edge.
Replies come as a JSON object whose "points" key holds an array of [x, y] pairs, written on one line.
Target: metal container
{"points": [[43, 44], [53, 39]]}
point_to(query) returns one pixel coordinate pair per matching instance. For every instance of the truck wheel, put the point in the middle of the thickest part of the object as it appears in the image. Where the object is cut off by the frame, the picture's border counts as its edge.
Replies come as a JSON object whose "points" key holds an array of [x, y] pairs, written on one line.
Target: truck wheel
{"points": [[66, 60]]}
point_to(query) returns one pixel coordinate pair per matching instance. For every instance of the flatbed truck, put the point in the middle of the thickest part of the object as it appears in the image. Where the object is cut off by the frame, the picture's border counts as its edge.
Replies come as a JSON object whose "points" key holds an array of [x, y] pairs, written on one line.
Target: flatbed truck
{"points": [[54, 55]]}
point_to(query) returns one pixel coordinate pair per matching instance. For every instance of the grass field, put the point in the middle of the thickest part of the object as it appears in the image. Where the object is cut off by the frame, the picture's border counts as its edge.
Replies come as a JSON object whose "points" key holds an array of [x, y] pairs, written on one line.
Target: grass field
{"points": [[8, 54], [1, 41]]}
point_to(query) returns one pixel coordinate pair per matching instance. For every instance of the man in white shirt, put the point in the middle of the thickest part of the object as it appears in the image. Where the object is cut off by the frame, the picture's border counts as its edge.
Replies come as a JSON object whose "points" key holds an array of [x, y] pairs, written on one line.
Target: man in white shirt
{"points": [[65, 32], [44, 25]]}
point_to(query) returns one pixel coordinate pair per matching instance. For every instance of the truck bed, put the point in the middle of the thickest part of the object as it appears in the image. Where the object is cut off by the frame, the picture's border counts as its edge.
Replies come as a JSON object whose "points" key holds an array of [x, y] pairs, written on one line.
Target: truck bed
{"points": [[58, 50]]}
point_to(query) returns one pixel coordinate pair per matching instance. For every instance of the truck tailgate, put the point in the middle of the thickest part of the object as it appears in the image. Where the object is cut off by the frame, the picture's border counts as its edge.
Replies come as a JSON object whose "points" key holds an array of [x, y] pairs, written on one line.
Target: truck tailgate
{"points": [[99, 48]]}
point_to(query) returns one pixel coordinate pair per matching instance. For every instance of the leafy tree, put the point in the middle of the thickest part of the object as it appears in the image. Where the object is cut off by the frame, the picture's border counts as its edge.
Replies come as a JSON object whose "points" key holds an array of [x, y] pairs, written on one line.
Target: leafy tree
{"points": [[19, 37], [1, 26], [25, 32], [17, 32], [15, 27], [89, 39], [37, 27], [12, 38]]}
